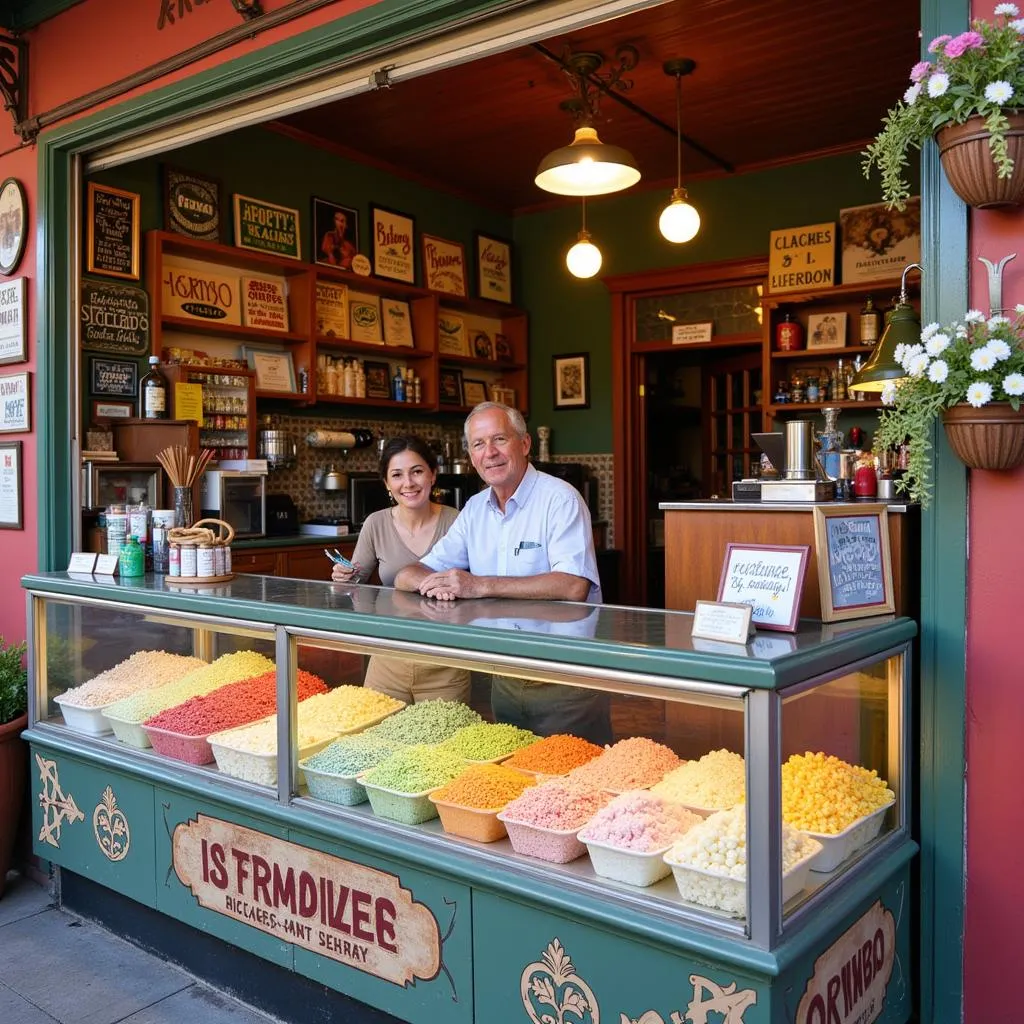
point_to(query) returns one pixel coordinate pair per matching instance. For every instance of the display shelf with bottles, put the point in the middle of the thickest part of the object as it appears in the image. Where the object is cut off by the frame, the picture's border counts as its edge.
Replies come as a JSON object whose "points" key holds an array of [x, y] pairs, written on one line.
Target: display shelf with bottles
{"points": [[228, 425]]}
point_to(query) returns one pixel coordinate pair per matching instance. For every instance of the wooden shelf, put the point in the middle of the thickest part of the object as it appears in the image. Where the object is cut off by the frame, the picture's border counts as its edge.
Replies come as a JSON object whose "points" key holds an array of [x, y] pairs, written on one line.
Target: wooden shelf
{"points": [[487, 308], [774, 410], [824, 353], [284, 396], [398, 353], [840, 291], [372, 285], [483, 364], [380, 403], [170, 243], [215, 329]]}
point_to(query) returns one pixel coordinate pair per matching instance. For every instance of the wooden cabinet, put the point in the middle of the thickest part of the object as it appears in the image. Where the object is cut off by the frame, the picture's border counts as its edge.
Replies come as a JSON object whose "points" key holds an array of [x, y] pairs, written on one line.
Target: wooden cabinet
{"points": [[228, 425], [304, 561], [485, 322], [260, 561]]}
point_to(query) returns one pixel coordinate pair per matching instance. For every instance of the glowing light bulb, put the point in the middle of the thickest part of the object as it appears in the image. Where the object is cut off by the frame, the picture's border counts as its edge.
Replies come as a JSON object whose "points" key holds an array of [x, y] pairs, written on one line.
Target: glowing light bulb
{"points": [[679, 221], [584, 258]]}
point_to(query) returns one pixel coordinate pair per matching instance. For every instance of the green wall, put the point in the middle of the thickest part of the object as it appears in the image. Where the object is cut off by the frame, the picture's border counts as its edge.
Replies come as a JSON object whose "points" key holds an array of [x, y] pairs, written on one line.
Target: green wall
{"points": [[566, 315]]}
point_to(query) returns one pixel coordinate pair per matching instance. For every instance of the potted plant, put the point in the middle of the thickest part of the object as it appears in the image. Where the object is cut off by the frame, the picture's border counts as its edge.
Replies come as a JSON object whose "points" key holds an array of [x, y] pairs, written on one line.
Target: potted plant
{"points": [[967, 96], [972, 375], [13, 754]]}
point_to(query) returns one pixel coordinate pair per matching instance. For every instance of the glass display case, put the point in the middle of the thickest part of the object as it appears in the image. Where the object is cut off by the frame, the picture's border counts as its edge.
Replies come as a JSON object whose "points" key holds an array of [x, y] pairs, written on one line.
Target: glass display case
{"points": [[780, 765]]}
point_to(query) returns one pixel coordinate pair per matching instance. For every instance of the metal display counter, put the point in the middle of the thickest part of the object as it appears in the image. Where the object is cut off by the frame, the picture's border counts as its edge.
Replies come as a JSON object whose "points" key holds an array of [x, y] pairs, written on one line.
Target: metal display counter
{"points": [[428, 926]]}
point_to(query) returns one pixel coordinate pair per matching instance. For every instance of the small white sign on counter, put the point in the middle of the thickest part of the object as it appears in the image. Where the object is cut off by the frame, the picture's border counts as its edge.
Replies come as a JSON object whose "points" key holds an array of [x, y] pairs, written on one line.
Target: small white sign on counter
{"points": [[768, 577], [722, 620], [82, 561], [106, 565], [691, 334]]}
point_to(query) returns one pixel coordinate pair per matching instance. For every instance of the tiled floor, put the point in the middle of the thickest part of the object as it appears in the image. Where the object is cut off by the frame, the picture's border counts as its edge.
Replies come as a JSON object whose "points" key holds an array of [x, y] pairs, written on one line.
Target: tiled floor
{"points": [[55, 967]]}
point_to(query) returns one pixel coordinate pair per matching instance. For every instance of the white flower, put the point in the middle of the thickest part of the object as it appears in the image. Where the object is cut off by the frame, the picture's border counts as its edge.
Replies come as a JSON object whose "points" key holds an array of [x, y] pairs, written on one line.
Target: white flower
{"points": [[1019, 308], [908, 354], [889, 393], [998, 92], [999, 349], [910, 96], [898, 354], [938, 371], [982, 359], [927, 332], [1018, 25], [979, 394], [918, 364], [994, 321], [937, 345], [961, 330], [938, 84], [1014, 384], [1010, 10], [974, 316]]}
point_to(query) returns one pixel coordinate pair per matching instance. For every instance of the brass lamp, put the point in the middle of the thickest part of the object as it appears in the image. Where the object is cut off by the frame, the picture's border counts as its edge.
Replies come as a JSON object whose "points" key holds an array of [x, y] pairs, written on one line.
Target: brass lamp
{"points": [[903, 328]]}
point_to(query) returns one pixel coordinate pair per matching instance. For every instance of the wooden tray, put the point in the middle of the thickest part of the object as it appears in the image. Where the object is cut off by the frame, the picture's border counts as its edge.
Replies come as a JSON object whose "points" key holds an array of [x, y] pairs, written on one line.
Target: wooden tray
{"points": [[194, 580]]}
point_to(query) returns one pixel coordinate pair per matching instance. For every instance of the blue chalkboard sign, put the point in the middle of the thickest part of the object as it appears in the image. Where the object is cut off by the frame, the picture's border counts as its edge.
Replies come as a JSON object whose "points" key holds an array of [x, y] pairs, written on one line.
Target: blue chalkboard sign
{"points": [[854, 566]]}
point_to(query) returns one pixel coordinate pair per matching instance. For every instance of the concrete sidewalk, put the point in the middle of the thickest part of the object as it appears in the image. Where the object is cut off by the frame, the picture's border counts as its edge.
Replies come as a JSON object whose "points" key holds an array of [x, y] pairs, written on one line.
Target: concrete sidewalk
{"points": [[56, 967]]}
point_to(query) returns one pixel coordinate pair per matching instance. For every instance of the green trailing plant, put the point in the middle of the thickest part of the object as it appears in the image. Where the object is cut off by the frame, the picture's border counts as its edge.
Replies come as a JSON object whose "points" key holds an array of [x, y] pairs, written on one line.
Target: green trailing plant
{"points": [[979, 72], [13, 681], [977, 360]]}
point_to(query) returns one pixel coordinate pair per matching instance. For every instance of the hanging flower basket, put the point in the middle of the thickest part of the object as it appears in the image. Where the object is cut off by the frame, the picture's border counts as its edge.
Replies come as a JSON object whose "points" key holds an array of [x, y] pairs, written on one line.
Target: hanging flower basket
{"points": [[971, 171], [991, 437]]}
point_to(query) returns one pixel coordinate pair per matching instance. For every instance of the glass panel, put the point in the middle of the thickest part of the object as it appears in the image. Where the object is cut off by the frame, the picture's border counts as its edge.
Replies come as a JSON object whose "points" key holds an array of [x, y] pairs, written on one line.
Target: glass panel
{"points": [[841, 762], [731, 310], [739, 397]]}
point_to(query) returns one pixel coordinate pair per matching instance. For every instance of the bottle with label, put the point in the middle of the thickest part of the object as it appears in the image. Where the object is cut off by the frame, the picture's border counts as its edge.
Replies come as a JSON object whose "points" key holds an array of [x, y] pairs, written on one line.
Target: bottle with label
{"points": [[870, 323], [789, 334], [398, 386], [153, 392], [131, 559]]}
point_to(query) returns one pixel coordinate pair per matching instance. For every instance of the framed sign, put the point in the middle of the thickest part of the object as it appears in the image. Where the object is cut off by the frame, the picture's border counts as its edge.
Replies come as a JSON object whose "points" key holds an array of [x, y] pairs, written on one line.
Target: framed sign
{"points": [[10, 486], [394, 253], [474, 391], [115, 377], [13, 313], [266, 227], [493, 268], [854, 563], [275, 370], [115, 318], [802, 259], [112, 232], [452, 339], [768, 577], [335, 234], [396, 321], [13, 225], [449, 386], [103, 412], [879, 243], [444, 266], [693, 334], [826, 330], [572, 381], [378, 379], [192, 204], [15, 404]]}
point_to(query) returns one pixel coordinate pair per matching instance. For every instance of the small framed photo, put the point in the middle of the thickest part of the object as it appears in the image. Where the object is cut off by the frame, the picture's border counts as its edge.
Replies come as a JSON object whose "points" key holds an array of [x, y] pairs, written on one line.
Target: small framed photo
{"points": [[13, 224], [572, 381], [13, 317], [16, 405], [826, 330], [378, 379], [503, 348], [444, 266], [483, 345], [118, 378], [452, 339], [396, 322], [10, 486], [493, 268], [335, 234], [275, 369], [854, 563], [192, 204], [394, 249], [449, 386], [768, 577], [474, 392], [507, 396], [104, 411], [112, 232]]}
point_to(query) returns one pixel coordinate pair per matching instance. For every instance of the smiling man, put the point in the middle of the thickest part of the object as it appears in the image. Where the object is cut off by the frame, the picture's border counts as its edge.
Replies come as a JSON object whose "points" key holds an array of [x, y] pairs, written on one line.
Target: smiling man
{"points": [[528, 535]]}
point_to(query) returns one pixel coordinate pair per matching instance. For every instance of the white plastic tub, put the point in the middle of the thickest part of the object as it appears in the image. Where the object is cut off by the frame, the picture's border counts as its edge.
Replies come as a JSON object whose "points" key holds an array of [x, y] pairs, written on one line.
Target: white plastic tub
{"points": [[630, 866], [90, 721], [555, 845], [335, 789], [255, 767], [407, 808], [836, 848]]}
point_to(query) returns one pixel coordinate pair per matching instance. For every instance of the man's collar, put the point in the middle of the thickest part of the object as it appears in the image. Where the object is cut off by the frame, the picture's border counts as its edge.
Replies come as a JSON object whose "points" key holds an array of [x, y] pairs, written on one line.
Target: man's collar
{"points": [[522, 493]]}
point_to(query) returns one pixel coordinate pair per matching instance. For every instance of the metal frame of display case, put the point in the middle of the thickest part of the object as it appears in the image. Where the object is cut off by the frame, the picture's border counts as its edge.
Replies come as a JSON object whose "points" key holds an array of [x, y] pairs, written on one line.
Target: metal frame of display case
{"points": [[292, 612]]}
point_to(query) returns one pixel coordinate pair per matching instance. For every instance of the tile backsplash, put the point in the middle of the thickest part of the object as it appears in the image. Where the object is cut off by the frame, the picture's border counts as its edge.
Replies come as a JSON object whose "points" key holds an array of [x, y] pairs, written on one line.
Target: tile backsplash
{"points": [[298, 481]]}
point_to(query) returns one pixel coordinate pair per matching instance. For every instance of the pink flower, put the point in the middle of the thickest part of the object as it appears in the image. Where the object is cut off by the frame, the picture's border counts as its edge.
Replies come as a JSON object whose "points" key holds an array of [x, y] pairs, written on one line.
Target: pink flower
{"points": [[937, 43], [919, 70], [964, 42]]}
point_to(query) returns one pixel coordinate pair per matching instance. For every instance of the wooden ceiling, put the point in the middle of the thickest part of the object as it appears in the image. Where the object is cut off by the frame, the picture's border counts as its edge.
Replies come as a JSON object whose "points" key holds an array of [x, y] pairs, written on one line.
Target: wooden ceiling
{"points": [[775, 82]]}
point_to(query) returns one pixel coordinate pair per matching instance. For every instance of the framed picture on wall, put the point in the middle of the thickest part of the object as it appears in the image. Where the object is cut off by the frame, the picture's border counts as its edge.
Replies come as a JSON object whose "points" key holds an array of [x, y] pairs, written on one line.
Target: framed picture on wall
{"points": [[335, 234], [493, 268], [192, 204], [13, 224], [394, 249], [572, 381], [449, 386], [474, 392], [10, 486], [112, 232], [444, 266]]}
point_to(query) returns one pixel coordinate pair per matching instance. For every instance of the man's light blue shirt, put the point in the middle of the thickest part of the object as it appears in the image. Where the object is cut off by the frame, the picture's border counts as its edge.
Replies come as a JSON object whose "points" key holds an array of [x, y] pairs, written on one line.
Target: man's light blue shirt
{"points": [[545, 528]]}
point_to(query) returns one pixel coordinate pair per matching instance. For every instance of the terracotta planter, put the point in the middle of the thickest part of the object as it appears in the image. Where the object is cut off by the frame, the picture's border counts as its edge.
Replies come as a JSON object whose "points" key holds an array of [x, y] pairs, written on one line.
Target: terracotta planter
{"points": [[970, 170], [13, 765], [991, 437]]}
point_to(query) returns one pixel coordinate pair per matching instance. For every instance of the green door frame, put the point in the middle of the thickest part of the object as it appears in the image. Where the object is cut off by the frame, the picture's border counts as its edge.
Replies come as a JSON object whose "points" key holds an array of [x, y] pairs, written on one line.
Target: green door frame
{"points": [[944, 542]]}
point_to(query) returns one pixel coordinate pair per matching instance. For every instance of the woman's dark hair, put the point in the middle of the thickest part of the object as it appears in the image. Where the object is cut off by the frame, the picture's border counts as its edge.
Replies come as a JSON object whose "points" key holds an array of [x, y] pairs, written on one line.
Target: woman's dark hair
{"points": [[408, 443]]}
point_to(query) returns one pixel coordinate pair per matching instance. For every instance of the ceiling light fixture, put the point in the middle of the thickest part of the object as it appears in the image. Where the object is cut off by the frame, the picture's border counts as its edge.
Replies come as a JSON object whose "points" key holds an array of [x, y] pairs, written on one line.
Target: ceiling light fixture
{"points": [[584, 258], [902, 328], [679, 221], [588, 166]]}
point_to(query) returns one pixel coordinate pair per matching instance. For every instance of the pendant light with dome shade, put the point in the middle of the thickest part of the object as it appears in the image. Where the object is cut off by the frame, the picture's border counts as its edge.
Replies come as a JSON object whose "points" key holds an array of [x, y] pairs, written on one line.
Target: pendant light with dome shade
{"points": [[588, 166], [902, 328], [584, 258], [679, 221]]}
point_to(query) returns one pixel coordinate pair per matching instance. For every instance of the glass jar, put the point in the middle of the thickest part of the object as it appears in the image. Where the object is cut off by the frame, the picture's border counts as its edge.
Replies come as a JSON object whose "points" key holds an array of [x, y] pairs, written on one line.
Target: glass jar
{"points": [[812, 388], [183, 514], [798, 386], [781, 396]]}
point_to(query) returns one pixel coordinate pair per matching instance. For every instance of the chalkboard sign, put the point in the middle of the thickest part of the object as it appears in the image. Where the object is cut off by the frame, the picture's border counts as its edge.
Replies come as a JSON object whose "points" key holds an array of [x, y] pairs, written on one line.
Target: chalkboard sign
{"points": [[112, 232], [768, 577], [854, 566], [115, 318], [113, 377]]}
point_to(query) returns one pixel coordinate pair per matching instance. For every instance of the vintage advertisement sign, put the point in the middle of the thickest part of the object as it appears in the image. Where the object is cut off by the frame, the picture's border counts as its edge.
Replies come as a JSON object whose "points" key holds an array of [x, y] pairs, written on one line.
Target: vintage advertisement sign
{"points": [[802, 259], [854, 562], [768, 577], [115, 318], [264, 303], [13, 311], [200, 293], [850, 978], [493, 268], [112, 232], [266, 227], [331, 309], [393, 253], [15, 410], [879, 243], [191, 204], [336, 908], [444, 266], [113, 377]]}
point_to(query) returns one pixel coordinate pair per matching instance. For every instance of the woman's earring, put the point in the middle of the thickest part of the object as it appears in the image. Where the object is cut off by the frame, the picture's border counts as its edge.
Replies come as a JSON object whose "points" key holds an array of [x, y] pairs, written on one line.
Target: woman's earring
{"points": [[391, 496]]}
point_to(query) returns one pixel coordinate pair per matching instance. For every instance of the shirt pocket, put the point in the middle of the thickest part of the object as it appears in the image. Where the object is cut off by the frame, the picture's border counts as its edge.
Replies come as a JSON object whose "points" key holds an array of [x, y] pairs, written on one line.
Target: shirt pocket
{"points": [[530, 561]]}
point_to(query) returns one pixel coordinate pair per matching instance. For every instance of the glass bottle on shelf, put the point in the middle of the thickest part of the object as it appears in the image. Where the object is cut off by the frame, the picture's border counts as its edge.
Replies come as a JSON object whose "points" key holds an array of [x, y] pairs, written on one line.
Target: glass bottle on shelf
{"points": [[870, 323], [798, 386], [789, 334], [831, 441], [153, 392]]}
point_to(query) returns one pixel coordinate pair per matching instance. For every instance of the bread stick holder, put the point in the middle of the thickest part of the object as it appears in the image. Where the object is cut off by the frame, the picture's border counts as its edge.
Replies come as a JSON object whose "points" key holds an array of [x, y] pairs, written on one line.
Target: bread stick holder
{"points": [[215, 532]]}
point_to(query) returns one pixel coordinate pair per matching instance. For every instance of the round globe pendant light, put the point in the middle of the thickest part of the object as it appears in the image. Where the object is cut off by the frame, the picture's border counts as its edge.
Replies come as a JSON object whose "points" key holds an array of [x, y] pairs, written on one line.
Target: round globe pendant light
{"points": [[584, 258], [679, 221]]}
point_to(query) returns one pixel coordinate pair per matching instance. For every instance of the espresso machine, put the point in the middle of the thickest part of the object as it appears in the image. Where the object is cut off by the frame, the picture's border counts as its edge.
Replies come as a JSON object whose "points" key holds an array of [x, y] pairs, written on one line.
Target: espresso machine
{"points": [[801, 476]]}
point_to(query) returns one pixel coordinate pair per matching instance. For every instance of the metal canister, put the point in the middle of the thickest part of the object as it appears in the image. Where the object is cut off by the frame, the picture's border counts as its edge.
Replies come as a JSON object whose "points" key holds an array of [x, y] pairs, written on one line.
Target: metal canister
{"points": [[117, 528], [174, 560], [188, 560], [218, 559], [205, 560], [161, 552], [138, 522], [227, 560]]}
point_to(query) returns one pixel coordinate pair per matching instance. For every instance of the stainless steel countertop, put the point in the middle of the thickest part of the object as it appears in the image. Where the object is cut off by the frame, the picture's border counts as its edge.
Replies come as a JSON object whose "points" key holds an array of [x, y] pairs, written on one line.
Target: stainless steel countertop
{"points": [[728, 505]]}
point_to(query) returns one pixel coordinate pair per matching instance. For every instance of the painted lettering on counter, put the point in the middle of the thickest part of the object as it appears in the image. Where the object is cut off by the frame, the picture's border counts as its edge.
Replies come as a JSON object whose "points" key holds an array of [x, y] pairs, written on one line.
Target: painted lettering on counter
{"points": [[851, 982]]}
